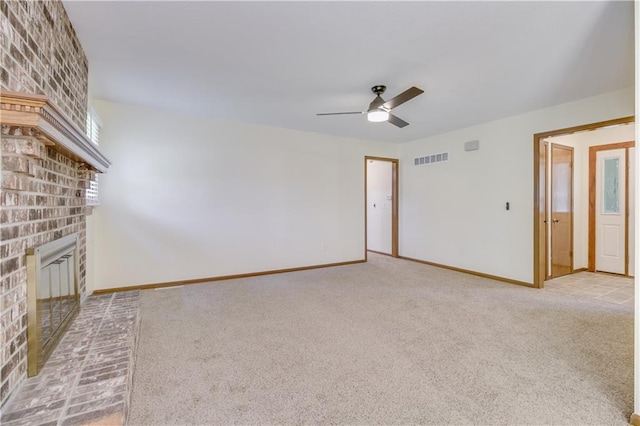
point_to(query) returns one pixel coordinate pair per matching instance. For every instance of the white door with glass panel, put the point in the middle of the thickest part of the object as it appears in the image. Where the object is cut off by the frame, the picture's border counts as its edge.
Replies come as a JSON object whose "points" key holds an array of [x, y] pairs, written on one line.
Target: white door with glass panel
{"points": [[610, 211]]}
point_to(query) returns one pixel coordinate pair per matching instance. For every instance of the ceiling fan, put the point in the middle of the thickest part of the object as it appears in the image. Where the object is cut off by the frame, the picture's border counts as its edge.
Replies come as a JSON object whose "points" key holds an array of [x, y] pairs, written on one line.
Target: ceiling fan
{"points": [[380, 110]]}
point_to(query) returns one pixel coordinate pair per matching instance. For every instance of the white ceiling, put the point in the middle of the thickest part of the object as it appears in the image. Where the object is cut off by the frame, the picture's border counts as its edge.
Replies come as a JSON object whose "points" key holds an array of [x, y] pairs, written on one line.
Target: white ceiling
{"points": [[280, 63]]}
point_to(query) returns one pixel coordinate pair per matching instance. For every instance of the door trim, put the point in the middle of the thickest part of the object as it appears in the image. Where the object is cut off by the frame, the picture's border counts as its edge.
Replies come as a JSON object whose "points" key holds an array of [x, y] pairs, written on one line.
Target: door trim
{"points": [[394, 202], [545, 213], [593, 151], [538, 219]]}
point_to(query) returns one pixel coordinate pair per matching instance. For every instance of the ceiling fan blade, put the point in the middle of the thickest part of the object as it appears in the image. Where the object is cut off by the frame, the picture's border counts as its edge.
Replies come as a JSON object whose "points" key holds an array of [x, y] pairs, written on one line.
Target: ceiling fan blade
{"points": [[340, 113], [402, 98], [399, 122]]}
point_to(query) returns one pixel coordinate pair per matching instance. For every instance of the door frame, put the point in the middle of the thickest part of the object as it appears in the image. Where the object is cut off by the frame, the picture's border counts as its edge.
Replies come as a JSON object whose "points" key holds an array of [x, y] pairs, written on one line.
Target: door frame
{"points": [[549, 215], [394, 202], [593, 151], [547, 242], [538, 212]]}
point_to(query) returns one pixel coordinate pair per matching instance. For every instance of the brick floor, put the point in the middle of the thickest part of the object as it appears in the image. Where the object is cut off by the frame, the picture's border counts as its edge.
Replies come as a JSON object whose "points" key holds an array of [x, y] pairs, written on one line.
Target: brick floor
{"points": [[87, 379]]}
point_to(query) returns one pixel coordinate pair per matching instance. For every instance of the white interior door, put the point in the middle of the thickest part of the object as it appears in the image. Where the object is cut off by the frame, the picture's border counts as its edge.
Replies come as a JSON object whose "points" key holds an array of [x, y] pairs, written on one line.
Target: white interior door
{"points": [[632, 211], [610, 211]]}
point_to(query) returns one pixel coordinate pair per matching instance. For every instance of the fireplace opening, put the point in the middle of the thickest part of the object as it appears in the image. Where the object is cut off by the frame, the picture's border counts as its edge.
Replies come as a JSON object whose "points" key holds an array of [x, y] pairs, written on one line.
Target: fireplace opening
{"points": [[52, 297]]}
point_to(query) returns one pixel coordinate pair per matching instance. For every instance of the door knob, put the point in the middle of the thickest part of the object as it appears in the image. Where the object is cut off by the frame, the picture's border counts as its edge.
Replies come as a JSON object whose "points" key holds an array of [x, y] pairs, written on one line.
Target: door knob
{"points": [[556, 220]]}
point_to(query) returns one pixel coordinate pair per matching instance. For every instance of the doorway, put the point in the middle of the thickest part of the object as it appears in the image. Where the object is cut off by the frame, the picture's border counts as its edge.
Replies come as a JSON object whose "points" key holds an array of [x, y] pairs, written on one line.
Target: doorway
{"points": [[542, 195], [381, 205], [611, 207]]}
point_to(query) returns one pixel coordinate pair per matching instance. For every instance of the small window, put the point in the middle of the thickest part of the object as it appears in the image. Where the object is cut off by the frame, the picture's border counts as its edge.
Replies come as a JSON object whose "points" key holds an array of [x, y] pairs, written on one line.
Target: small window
{"points": [[91, 194], [611, 186], [94, 124]]}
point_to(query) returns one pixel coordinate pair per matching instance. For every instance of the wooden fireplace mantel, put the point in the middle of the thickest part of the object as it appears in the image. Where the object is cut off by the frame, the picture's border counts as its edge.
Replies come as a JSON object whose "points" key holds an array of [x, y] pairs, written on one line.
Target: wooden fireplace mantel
{"points": [[36, 116]]}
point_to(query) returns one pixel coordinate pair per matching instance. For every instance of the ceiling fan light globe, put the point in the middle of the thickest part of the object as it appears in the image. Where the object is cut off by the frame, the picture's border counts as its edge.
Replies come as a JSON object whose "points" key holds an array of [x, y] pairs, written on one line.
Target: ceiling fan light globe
{"points": [[377, 116]]}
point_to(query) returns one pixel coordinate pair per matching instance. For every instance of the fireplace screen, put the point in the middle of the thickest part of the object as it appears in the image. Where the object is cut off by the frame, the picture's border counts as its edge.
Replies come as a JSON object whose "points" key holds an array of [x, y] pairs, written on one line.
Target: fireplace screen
{"points": [[52, 297]]}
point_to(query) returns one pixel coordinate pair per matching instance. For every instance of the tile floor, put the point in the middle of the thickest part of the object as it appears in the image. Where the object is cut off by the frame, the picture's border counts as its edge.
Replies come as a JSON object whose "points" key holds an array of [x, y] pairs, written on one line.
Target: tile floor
{"points": [[599, 286], [87, 379]]}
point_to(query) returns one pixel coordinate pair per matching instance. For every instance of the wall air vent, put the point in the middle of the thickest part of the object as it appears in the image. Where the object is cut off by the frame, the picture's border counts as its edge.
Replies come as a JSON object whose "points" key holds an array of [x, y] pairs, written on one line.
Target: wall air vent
{"points": [[472, 145], [430, 159]]}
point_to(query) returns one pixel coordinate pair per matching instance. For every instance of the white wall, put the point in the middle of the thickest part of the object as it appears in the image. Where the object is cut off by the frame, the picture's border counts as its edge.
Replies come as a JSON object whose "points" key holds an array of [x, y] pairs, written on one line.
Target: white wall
{"points": [[379, 205], [90, 256], [191, 197], [453, 213], [581, 142]]}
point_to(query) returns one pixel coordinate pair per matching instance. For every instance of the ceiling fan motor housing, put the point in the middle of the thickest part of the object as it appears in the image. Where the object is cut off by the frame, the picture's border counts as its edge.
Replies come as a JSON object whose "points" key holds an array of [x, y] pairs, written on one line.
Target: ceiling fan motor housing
{"points": [[378, 90]]}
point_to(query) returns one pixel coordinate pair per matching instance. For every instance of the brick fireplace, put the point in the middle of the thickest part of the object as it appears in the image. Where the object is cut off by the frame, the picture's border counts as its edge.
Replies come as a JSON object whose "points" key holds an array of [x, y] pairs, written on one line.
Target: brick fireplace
{"points": [[46, 161], [47, 165]]}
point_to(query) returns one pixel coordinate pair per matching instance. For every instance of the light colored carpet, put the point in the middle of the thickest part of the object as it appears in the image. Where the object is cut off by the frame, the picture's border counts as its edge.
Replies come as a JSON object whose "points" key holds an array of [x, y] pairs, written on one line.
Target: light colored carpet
{"points": [[387, 342]]}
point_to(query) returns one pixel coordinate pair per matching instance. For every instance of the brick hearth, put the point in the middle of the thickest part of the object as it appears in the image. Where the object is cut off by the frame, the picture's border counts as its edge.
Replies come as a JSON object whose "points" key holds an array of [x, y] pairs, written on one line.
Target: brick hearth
{"points": [[88, 377]]}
